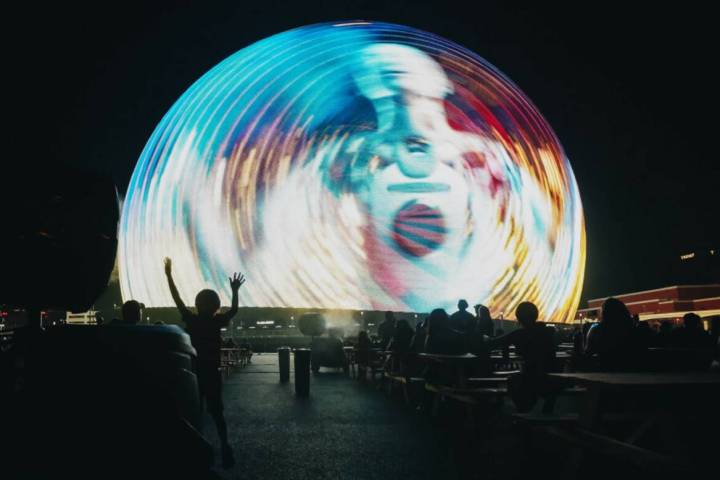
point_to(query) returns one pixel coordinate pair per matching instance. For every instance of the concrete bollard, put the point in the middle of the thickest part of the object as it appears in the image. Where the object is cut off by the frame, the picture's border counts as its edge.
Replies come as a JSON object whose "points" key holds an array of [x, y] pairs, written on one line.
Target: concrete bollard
{"points": [[284, 362], [302, 372]]}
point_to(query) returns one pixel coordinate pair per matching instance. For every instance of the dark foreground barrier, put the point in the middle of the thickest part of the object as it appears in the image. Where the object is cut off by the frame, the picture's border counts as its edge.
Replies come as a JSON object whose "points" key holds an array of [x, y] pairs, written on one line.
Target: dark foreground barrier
{"points": [[107, 402]]}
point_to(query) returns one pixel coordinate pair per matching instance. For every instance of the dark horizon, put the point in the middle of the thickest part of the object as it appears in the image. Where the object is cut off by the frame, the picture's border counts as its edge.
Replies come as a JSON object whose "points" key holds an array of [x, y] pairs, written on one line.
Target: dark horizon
{"points": [[627, 92]]}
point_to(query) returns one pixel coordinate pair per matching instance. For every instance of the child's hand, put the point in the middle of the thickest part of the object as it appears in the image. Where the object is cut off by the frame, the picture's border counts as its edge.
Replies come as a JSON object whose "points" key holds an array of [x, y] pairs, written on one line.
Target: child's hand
{"points": [[236, 281]]}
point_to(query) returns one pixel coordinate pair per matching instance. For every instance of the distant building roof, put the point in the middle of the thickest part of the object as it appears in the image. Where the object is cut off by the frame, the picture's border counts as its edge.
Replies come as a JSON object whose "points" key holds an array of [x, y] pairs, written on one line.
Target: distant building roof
{"points": [[666, 302]]}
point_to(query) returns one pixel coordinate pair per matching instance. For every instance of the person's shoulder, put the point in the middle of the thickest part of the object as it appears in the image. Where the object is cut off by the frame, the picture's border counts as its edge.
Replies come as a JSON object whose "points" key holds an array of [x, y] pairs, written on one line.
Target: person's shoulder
{"points": [[518, 332]]}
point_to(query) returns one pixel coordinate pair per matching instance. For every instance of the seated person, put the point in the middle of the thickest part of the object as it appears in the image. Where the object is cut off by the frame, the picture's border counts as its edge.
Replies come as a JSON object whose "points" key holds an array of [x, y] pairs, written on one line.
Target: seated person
{"points": [[401, 339], [614, 340], [441, 339], [535, 343], [484, 324], [414, 367], [462, 320], [386, 329], [696, 345], [363, 348], [417, 344], [400, 346], [664, 337], [362, 353], [478, 344], [691, 334], [645, 334], [131, 313]]}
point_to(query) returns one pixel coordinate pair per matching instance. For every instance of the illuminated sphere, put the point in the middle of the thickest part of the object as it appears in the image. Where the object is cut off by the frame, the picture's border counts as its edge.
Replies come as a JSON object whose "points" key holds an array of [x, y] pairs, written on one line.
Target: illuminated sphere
{"points": [[356, 166]]}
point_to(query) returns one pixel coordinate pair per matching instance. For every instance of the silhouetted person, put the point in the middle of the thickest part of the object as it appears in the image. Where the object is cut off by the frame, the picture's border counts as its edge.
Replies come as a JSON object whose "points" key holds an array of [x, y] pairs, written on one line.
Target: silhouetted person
{"points": [[462, 320], [484, 324], [715, 334], [477, 342], [715, 328], [535, 343], [691, 334], [402, 337], [715, 341], [614, 339], [386, 329], [664, 336], [362, 354], [131, 312], [413, 367], [585, 330], [645, 334], [417, 344], [400, 345], [578, 341], [247, 346], [204, 330], [441, 339]]}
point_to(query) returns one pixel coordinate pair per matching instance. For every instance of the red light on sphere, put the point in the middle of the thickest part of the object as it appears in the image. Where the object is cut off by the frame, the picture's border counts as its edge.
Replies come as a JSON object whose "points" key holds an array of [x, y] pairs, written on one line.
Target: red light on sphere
{"points": [[419, 229]]}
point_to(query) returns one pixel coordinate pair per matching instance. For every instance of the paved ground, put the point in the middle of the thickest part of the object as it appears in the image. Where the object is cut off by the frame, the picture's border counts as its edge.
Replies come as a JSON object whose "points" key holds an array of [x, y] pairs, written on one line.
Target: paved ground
{"points": [[345, 430]]}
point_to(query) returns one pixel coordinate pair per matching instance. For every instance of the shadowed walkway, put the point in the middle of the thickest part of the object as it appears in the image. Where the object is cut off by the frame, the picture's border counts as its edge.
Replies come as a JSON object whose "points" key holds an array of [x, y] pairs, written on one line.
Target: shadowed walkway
{"points": [[344, 430]]}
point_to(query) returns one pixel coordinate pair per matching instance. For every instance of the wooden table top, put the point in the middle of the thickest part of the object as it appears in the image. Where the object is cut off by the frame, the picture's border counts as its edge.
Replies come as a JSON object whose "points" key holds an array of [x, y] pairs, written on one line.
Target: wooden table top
{"points": [[441, 356], [643, 380]]}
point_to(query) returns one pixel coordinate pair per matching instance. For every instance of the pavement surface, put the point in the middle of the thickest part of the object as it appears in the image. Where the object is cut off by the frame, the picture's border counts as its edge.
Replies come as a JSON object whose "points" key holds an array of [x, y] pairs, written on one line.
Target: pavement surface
{"points": [[344, 430]]}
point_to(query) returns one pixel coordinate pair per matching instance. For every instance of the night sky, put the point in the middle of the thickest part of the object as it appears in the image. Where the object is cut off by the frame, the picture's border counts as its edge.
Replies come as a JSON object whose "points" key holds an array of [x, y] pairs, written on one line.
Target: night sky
{"points": [[628, 91]]}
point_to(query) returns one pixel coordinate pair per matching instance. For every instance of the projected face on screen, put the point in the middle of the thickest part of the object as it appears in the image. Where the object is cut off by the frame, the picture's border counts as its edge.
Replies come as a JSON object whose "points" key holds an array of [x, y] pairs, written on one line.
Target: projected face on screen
{"points": [[357, 166]]}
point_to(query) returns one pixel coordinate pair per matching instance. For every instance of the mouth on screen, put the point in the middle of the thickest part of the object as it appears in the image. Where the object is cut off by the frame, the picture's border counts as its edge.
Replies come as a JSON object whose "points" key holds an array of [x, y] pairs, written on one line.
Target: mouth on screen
{"points": [[419, 187]]}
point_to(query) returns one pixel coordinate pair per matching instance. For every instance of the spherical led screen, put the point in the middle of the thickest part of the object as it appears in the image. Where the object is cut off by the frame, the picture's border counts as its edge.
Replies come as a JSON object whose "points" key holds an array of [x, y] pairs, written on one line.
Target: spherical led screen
{"points": [[356, 166]]}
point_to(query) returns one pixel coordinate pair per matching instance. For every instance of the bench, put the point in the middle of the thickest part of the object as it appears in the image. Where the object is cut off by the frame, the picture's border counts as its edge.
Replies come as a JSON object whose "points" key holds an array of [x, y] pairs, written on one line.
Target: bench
{"points": [[486, 381], [403, 381], [474, 395], [587, 441]]}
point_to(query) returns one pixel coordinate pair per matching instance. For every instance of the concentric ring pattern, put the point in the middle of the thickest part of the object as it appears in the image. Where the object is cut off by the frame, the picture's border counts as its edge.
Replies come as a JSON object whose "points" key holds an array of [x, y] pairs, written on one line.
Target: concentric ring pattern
{"points": [[356, 166]]}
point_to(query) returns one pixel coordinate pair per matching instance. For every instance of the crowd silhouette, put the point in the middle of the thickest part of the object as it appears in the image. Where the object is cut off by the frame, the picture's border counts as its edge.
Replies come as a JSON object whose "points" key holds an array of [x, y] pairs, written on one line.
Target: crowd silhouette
{"points": [[617, 342]]}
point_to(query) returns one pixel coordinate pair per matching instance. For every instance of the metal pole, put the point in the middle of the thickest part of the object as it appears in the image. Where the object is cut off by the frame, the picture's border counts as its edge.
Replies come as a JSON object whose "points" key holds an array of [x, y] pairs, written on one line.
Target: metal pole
{"points": [[284, 362], [302, 372]]}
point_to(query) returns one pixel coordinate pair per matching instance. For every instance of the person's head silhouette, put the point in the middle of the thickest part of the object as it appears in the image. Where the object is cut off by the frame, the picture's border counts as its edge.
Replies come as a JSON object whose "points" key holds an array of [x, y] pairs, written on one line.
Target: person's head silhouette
{"points": [[526, 314], [462, 305], [692, 321], [482, 312], [438, 319], [615, 314], [132, 312], [207, 302], [403, 326]]}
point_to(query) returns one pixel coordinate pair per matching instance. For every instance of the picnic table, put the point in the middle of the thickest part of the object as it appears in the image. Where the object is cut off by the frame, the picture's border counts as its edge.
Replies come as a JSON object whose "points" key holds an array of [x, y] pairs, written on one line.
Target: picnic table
{"points": [[458, 362], [665, 400], [663, 393]]}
